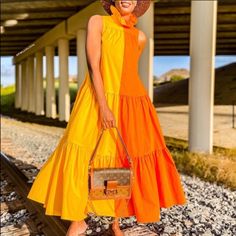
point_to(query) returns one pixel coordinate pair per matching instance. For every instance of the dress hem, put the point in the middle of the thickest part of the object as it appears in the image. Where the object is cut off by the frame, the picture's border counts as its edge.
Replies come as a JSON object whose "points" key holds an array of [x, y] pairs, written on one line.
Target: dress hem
{"points": [[88, 214]]}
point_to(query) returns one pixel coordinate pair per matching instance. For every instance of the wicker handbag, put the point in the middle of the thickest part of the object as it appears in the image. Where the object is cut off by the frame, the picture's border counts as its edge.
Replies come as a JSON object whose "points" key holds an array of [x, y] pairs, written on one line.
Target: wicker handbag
{"points": [[110, 183]]}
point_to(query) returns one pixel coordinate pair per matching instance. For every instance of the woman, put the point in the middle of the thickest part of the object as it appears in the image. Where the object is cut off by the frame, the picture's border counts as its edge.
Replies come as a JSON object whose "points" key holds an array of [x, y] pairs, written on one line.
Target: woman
{"points": [[112, 94]]}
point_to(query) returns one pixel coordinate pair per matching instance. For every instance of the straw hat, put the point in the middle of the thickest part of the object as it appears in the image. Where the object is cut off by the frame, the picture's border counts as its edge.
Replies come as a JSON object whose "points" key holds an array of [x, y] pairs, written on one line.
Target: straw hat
{"points": [[140, 8]]}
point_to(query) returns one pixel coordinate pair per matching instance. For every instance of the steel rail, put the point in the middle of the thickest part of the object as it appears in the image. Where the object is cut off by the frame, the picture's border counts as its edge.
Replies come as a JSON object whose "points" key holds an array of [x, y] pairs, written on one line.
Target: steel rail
{"points": [[49, 225]]}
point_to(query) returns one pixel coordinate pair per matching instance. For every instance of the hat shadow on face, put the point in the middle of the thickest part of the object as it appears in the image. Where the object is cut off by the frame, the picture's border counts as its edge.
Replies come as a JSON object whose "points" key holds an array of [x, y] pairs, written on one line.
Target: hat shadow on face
{"points": [[117, 8]]}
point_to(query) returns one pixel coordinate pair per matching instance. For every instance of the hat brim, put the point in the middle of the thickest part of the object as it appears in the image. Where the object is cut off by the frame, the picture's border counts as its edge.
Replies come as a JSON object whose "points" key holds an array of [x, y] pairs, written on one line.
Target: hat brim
{"points": [[139, 10]]}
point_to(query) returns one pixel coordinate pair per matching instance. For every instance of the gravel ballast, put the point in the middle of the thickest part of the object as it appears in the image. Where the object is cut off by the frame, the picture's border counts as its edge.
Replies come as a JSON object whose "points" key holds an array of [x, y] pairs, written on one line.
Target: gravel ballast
{"points": [[210, 209]]}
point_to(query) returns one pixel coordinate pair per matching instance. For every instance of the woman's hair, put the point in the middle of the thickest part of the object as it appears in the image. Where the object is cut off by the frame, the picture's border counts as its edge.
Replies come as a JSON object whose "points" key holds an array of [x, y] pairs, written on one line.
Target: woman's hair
{"points": [[112, 2]]}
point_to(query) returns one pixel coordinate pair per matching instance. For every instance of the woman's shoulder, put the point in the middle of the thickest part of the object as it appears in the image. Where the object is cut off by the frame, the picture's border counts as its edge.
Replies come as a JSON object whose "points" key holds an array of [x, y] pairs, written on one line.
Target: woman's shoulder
{"points": [[95, 19], [95, 22], [142, 38]]}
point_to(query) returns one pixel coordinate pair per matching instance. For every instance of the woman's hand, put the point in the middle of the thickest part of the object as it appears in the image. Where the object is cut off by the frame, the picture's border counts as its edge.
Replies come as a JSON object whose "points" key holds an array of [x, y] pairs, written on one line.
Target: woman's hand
{"points": [[107, 118]]}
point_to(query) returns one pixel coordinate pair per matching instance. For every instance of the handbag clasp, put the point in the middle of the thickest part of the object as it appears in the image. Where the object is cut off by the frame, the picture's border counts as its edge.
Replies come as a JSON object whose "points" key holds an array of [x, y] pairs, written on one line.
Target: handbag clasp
{"points": [[111, 187]]}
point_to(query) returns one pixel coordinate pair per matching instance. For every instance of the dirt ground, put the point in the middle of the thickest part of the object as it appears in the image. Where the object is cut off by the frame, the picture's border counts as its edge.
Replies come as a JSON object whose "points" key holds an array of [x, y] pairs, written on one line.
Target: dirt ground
{"points": [[174, 123]]}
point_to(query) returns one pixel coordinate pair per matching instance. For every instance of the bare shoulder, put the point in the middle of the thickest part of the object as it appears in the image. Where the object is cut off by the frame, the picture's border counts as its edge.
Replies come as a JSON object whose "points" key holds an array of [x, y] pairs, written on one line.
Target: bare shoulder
{"points": [[95, 22], [142, 38]]}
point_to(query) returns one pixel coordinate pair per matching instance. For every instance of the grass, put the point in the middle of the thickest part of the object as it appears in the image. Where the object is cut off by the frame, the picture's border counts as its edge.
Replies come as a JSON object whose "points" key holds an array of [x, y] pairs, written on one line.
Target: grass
{"points": [[7, 96], [72, 88], [219, 167]]}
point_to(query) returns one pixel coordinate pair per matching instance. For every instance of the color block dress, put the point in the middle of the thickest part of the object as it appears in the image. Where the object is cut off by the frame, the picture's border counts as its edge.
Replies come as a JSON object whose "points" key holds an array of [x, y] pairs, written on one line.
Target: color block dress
{"points": [[62, 183]]}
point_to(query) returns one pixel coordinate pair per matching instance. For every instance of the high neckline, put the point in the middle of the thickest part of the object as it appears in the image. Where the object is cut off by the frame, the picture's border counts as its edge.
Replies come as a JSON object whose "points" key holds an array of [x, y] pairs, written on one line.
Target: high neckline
{"points": [[120, 20]]}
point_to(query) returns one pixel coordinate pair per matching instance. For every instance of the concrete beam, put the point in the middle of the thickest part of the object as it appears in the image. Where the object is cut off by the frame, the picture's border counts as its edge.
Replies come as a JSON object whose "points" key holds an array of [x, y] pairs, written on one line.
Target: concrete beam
{"points": [[65, 29], [50, 38], [80, 19]]}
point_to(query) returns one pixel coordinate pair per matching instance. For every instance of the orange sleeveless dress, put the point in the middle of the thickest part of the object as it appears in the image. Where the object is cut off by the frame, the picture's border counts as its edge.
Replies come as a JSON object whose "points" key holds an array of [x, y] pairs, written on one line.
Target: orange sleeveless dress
{"points": [[62, 183]]}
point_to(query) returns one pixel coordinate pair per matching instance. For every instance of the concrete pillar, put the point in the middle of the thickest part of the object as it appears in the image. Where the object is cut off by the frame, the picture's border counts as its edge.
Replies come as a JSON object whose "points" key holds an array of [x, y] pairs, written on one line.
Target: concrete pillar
{"points": [[17, 85], [202, 73], [39, 101], [50, 83], [81, 56], [146, 24], [30, 79], [64, 95], [24, 91]]}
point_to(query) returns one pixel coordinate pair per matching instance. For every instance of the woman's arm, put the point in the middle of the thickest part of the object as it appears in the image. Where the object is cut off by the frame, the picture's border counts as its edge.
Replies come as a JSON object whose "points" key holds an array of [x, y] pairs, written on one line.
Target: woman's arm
{"points": [[93, 54], [142, 39], [93, 57]]}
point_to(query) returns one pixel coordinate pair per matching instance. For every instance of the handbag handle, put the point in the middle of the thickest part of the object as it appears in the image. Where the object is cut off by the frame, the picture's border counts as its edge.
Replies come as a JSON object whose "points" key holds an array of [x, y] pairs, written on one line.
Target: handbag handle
{"points": [[92, 157]]}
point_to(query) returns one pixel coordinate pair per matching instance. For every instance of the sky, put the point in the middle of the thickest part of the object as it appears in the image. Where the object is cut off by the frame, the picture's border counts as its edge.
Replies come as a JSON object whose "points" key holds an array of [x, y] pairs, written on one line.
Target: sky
{"points": [[162, 64]]}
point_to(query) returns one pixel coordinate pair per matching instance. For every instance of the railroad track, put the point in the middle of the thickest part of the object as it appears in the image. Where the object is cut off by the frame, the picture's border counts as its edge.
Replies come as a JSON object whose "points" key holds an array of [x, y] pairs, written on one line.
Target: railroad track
{"points": [[15, 219], [19, 175], [48, 225]]}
